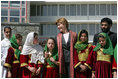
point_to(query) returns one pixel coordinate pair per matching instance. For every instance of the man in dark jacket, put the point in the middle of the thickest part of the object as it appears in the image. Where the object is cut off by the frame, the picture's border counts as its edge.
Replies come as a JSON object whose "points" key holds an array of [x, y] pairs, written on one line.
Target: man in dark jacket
{"points": [[106, 24]]}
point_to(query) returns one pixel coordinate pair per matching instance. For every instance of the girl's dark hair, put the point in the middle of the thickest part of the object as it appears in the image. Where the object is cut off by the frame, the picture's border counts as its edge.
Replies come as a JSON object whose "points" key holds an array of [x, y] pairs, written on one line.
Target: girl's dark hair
{"points": [[52, 39], [18, 36], [35, 34], [7, 27], [100, 36], [83, 31]]}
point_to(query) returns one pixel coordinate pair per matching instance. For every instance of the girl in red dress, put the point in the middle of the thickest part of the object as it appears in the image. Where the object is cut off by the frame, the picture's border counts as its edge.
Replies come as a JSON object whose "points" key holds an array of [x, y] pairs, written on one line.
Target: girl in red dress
{"points": [[114, 63], [12, 62], [102, 57], [83, 56], [31, 58], [51, 69]]}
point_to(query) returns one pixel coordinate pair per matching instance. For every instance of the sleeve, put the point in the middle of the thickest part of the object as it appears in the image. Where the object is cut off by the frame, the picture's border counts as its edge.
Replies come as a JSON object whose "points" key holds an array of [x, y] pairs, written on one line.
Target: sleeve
{"points": [[4, 51], [76, 61], [9, 58], [114, 64], [90, 59], [24, 60], [56, 57], [94, 61]]}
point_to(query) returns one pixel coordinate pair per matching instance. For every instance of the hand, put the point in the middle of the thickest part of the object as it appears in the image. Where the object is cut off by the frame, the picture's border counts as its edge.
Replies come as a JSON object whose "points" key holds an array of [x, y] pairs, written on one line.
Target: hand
{"points": [[93, 75], [38, 71], [9, 74], [46, 55], [83, 68], [32, 69], [115, 74], [20, 48], [52, 59]]}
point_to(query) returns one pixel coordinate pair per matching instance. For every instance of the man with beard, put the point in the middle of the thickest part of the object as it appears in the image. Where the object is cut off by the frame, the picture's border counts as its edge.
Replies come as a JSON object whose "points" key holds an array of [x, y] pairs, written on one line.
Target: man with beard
{"points": [[106, 24]]}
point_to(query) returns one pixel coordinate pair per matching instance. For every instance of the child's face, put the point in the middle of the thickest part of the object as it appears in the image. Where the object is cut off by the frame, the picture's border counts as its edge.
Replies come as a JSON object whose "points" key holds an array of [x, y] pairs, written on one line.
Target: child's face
{"points": [[19, 41], [7, 33], [50, 44], [35, 41], [83, 37], [102, 41]]}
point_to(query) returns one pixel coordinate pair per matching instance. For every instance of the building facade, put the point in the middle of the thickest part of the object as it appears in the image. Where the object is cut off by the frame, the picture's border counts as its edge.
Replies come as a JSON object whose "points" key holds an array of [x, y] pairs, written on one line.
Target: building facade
{"points": [[43, 15], [80, 15], [15, 14]]}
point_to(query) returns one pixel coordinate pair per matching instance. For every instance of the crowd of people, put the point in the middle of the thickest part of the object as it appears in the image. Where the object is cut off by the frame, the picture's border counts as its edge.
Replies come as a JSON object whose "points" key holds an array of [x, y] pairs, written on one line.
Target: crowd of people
{"points": [[68, 55]]}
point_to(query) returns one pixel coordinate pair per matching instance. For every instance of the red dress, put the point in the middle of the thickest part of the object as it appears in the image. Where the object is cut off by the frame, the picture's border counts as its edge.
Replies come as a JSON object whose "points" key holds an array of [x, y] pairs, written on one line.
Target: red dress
{"points": [[50, 71], [102, 64], [13, 63], [83, 57], [25, 60]]}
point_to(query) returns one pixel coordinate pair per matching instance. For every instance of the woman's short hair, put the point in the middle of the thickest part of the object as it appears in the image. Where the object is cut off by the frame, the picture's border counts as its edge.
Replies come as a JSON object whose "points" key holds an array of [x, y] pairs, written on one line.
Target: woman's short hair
{"points": [[62, 21]]}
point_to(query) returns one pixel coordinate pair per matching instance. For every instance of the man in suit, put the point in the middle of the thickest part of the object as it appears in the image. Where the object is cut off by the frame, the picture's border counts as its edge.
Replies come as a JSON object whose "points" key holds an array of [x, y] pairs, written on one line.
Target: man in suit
{"points": [[106, 24]]}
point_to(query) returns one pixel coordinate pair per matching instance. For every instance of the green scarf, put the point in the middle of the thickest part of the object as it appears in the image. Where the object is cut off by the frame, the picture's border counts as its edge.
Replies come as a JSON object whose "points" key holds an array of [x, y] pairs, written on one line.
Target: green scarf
{"points": [[15, 45], [79, 45], [115, 53], [107, 49], [54, 55]]}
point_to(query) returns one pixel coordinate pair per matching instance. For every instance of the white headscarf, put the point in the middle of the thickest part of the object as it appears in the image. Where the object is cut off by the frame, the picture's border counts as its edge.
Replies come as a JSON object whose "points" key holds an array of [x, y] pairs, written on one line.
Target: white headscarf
{"points": [[35, 50], [5, 44]]}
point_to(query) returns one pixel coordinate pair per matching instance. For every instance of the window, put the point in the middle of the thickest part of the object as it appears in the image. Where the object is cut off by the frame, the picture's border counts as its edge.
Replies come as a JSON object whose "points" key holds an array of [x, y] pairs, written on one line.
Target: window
{"points": [[44, 10], [14, 3], [91, 29], [23, 4], [38, 10], [113, 9], [97, 28], [14, 9], [84, 10], [92, 10], [33, 10], [23, 11], [4, 19], [49, 10], [14, 12], [78, 28], [14, 19], [78, 10], [108, 9], [84, 26], [62, 10], [4, 12], [97, 9], [4, 3], [54, 10], [114, 28], [73, 27], [67, 10], [49, 30], [23, 20], [72, 10], [102, 9]]}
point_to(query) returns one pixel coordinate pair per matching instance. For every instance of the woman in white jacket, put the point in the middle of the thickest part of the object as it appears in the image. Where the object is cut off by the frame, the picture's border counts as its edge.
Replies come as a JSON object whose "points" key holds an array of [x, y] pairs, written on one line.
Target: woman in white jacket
{"points": [[5, 44]]}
